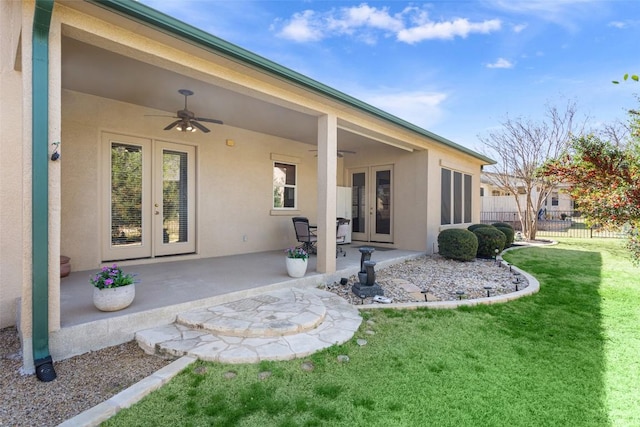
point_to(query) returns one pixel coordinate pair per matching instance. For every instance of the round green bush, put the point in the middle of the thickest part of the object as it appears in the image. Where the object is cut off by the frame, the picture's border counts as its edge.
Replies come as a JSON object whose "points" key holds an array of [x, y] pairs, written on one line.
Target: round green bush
{"points": [[473, 227], [509, 234], [458, 244], [502, 224], [489, 239]]}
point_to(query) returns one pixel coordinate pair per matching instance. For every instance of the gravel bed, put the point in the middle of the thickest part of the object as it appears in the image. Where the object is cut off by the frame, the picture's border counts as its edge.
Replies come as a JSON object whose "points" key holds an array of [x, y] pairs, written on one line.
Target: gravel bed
{"points": [[86, 380], [82, 382], [440, 278]]}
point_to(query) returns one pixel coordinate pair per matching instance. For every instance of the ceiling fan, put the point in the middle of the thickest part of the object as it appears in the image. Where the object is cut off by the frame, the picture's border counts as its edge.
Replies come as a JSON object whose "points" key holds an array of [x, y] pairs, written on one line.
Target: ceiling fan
{"points": [[341, 153], [187, 120]]}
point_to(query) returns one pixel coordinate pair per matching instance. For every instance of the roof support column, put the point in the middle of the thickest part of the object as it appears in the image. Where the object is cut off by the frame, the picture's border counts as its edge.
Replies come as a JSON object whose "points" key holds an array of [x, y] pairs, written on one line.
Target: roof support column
{"points": [[327, 182]]}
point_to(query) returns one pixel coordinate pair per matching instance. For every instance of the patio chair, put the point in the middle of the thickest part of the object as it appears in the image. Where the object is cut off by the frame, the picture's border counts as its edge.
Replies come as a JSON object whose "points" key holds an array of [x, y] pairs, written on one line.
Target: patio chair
{"points": [[341, 235], [304, 235]]}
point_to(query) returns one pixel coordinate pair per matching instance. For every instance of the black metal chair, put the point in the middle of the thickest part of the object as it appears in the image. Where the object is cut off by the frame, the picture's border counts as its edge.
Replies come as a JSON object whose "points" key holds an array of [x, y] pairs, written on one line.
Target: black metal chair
{"points": [[304, 235]]}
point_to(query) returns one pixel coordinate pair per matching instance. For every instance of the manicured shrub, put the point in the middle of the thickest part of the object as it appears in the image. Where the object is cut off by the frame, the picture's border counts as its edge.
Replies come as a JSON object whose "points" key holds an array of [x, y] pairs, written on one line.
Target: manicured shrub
{"points": [[472, 227], [458, 244], [502, 224], [489, 239], [509, 234]]}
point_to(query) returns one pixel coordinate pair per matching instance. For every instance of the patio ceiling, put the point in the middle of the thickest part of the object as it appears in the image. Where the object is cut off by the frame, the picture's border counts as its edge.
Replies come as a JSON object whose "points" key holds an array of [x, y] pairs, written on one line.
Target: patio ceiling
{"points": [[89, 69]]}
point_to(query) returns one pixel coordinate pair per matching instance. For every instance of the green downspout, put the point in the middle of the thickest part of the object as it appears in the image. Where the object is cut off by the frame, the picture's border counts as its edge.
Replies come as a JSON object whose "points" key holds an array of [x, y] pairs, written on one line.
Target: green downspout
{"points": [[40, 191]]}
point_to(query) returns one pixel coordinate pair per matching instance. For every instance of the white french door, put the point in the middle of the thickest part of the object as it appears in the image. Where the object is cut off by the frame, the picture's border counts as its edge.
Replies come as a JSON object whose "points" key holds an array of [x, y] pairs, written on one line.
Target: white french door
{"points": [[149, 198], [372, 204]]}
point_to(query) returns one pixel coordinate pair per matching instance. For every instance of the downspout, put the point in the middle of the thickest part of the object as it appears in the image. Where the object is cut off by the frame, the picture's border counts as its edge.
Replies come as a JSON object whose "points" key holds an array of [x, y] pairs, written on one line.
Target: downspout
{"points": [[40, 191]]}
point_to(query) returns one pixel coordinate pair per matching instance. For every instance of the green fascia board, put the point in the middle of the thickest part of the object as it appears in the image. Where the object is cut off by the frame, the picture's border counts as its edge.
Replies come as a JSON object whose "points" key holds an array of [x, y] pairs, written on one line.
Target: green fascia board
{"points": [[176, 28]]}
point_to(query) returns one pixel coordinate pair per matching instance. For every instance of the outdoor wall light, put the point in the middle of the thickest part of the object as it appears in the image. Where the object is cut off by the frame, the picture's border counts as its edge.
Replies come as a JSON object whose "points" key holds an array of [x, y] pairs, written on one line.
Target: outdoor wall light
{"points": [[55, 155]]}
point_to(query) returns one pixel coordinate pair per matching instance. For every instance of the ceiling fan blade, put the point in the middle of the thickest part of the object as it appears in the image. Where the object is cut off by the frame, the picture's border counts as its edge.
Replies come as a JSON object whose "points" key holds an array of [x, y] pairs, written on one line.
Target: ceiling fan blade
{"points": [[204, 119], [172, 125], [346, 152], [199, 126]]}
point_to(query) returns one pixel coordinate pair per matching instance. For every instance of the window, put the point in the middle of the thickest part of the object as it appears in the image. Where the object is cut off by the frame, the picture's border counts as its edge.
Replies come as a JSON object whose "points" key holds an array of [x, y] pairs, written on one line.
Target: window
{"points": [[284, 186], [455, 193]]}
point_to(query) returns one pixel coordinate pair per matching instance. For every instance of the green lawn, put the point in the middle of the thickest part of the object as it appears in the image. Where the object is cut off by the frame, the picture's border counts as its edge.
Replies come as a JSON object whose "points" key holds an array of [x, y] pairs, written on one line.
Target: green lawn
{"points": [[567, 356]]}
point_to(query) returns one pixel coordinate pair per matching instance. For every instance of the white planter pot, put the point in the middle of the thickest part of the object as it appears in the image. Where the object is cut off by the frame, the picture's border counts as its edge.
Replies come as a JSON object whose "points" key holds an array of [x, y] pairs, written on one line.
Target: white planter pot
{"points": [[296, 267], [113, 299]]}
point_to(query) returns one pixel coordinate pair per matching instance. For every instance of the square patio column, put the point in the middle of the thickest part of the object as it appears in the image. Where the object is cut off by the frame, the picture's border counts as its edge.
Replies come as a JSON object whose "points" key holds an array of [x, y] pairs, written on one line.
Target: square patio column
{"points": [[327, 182]]}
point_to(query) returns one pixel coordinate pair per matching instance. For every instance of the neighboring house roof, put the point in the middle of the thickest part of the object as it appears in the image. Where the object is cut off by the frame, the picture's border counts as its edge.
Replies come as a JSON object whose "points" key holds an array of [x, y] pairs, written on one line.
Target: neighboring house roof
{"points": [[186, 32]]}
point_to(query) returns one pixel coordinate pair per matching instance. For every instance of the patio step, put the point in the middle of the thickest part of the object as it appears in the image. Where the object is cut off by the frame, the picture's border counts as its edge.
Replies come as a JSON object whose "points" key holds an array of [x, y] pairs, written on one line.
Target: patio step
{"points": [[278, 325], [285, 312]]}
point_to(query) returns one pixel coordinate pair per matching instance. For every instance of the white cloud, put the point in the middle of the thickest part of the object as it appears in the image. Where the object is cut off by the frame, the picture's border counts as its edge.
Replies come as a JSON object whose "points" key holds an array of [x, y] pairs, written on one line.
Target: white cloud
{"points": [[302, 27], [566, 13], [459, 27], [519, 28], [501, 63], [624, 24], [421, 108], [366, 23]]}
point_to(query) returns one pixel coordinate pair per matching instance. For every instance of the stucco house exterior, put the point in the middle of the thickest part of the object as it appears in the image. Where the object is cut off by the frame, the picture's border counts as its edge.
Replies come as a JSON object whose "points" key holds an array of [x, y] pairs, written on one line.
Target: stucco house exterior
{"points": [[97, 83]]}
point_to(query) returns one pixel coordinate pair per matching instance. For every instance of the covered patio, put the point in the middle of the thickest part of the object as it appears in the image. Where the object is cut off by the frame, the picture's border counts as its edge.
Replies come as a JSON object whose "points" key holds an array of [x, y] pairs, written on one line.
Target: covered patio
{"points": [[166, 289]]}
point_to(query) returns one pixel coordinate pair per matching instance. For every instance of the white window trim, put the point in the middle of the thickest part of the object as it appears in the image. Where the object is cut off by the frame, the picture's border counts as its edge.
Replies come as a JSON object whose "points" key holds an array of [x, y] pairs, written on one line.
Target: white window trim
{"points": [[295, 187]]}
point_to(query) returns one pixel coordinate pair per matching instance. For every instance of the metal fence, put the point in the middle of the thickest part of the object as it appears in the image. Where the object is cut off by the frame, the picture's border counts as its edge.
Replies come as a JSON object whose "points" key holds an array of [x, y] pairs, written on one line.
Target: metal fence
{"points": [[555, 224]]}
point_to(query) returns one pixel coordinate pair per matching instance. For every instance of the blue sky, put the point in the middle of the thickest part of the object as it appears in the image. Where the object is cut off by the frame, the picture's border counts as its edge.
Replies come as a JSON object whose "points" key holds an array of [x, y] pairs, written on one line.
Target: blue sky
{"points": [[454, 67]]}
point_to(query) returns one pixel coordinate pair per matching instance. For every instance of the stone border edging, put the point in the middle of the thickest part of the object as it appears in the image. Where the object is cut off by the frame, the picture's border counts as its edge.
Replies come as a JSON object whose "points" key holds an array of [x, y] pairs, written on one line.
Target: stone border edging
{"points": [[534, 287]]}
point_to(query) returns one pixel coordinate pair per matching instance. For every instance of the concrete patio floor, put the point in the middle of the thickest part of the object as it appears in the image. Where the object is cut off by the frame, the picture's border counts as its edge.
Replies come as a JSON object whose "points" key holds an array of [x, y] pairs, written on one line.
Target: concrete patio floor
{"points": [[166, 289]]}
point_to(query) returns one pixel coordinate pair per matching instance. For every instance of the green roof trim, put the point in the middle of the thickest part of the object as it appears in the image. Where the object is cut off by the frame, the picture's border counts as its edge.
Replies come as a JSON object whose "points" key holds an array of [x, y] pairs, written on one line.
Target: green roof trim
{"points": [[191, 34]]}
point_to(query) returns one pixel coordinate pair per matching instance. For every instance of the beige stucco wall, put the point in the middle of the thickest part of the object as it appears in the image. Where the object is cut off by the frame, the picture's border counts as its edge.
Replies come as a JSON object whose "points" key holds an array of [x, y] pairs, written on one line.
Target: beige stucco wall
{"points": [[11, 164], [234, 192], [234, 183]]}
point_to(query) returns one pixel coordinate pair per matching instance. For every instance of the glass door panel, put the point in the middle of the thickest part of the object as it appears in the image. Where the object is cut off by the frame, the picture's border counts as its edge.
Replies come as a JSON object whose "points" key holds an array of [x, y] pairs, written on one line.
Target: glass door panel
{"points": [[127, 176], [372, 204], [383, 225], [174, 208], [359, 210]]}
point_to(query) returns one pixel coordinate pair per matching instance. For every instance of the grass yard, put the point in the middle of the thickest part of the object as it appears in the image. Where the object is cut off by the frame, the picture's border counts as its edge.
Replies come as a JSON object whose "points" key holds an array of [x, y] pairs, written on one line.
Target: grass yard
{"points": [[568, 356]]}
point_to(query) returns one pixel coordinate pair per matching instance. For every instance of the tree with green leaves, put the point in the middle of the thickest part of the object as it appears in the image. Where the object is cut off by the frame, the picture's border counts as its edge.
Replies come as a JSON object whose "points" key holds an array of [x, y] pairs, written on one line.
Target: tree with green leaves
{"points": [[626, 77], [604, 180]]}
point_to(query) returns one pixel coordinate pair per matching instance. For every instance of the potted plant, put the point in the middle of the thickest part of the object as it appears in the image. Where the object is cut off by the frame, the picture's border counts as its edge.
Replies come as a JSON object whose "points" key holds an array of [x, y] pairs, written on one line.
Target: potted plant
{"points": [[113, 289], [296, 260]]}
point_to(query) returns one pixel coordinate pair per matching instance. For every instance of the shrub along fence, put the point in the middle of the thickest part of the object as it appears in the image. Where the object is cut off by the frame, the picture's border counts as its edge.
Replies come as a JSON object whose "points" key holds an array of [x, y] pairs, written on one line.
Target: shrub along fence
{"points": [[555, 224]]}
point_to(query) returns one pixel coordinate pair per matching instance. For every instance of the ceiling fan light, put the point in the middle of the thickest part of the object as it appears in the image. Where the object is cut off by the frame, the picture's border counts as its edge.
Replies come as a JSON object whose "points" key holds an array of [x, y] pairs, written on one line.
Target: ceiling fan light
{"points": [[179, 128], [193, 129]]}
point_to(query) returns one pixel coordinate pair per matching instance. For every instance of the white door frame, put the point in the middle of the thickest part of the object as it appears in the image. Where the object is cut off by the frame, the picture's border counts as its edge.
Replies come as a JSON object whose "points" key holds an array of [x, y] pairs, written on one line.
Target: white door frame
{"points": [[369, 205], [152, 242]]}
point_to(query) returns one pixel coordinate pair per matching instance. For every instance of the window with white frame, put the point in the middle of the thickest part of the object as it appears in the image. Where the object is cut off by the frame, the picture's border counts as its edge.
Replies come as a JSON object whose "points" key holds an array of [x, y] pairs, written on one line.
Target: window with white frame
{"points": [[456, 197], [284, 185]]}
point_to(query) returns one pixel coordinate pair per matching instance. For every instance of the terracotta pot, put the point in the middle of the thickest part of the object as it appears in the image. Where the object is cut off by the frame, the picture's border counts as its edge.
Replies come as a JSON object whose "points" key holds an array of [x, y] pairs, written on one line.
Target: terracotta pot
{"points": [[114, 299], [296, 267], [65, 266]]}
